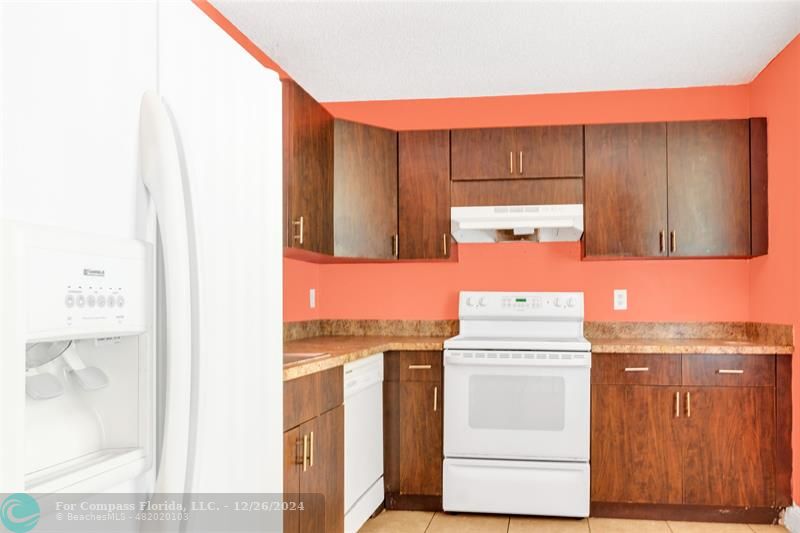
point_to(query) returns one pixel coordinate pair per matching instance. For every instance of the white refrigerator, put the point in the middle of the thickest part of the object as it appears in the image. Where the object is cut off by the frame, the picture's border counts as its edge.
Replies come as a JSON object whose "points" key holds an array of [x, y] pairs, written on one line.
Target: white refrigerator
{"points": [[140, 159]]}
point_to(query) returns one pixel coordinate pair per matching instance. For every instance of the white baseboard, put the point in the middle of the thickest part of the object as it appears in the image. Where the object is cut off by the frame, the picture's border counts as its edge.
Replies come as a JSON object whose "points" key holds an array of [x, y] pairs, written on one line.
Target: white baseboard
{"points": [[791, 518]]}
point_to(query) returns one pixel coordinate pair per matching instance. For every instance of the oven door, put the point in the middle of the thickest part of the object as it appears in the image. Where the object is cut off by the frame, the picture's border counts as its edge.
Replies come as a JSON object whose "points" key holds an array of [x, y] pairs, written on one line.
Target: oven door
{"points": [[516, 405]]}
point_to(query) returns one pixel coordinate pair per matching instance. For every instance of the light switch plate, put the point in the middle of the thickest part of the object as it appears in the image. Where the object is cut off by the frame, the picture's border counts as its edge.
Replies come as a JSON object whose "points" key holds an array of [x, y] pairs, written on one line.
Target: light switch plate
{"points": [[312, 298], [620, 299]]}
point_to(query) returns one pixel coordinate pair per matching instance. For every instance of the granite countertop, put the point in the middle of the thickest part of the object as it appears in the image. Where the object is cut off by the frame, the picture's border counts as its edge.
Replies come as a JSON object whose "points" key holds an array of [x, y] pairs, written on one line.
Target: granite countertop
{"points": [[328, 344], [338, 350]]}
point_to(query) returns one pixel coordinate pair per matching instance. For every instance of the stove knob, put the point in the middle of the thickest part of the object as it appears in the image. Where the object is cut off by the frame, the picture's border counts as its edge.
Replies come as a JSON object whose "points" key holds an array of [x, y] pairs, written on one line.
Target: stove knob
{"points": [[482, 302], [557, 302], [571, 302], [469, 301]]}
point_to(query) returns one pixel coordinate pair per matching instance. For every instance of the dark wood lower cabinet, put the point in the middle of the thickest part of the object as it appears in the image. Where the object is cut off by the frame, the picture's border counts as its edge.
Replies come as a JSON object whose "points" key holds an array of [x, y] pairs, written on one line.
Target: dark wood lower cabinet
{"points": [[313, 466], [636, 447], [728, 453], [712, 448], [413, 421]]}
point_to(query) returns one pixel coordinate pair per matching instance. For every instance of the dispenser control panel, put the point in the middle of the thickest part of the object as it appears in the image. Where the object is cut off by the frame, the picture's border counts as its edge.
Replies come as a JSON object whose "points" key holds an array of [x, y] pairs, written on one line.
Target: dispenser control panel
{"points": [[87, 286]]}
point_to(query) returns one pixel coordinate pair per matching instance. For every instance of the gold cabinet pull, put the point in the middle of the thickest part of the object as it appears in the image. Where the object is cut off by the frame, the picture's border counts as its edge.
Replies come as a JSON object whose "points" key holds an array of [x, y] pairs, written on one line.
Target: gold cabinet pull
{"points": [[419, 367], [435, 398], [510, 162], [444, 244], [688, 405], [305, 453], [673, 242], [520, 162], [677, 405], [730, 371], [300, 223], [311, 450], [396, 245], [661, 241], [637, 369]]}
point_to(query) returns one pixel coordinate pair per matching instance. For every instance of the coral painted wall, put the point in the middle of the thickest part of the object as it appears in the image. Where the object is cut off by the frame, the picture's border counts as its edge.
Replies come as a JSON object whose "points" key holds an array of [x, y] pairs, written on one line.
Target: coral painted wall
{"points": [[774, 286]]}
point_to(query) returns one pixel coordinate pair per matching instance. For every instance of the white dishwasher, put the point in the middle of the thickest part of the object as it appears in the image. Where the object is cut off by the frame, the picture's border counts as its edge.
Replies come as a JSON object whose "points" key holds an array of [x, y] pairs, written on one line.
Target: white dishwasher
{"points": [[363, 440]]}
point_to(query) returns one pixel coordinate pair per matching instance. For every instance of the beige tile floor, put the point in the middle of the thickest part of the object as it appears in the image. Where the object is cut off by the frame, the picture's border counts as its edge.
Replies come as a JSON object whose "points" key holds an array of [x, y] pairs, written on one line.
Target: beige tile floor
{"points": [[421, 522]]}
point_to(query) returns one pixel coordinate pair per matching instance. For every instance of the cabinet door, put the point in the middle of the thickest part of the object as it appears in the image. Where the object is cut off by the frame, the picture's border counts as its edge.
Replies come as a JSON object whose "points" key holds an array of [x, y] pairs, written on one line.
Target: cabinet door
{"points": [[636, 445], [709, 188], [424, 194], [483, 154], [626, 190], [421, 438], [307, 171], [292, 468], [549, 152], [365, 191], [325, 473], [729, 441]]}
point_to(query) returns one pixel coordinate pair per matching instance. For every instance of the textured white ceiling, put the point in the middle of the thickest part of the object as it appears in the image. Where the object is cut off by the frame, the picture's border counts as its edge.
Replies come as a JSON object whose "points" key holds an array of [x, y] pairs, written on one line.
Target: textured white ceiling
{"points": [[342, 51]]}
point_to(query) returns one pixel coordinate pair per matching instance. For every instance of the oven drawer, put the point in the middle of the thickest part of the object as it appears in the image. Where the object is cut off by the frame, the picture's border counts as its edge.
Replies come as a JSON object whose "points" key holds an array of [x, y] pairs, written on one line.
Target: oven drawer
{"points": [[516, 487], [729, 370], [636, 369]]}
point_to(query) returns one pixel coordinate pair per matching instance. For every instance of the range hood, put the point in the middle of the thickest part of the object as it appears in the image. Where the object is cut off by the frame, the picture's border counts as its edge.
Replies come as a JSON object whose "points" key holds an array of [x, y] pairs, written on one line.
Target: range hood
{"points": [[538, 223]]}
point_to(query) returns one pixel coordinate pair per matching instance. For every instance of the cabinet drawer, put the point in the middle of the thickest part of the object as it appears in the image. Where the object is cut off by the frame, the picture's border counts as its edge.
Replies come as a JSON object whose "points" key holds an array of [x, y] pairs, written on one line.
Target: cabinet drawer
{"points": [[636, 369], [309, 396], [413, 366], [729, 370]]}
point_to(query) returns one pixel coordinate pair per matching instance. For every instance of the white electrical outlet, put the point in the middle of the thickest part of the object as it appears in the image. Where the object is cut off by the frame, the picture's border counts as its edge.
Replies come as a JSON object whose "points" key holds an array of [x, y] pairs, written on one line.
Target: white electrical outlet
{"points": [[312, 298], [620, 299]]}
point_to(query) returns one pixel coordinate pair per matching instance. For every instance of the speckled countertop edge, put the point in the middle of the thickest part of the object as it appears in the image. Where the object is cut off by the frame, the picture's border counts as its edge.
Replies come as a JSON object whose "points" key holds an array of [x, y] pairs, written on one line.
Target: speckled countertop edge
{"points": [[340, 350]]}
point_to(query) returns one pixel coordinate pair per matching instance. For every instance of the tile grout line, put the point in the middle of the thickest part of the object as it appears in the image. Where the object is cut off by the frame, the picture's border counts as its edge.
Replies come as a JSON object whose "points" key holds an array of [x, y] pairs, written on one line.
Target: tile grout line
{"points": [[430, 522], [669, 526]]}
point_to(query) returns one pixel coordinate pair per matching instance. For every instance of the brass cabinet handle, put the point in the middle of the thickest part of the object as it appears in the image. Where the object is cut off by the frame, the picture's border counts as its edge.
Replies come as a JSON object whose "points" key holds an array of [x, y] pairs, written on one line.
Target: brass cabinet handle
{"points": [[661, 242], [520, 162], [300, 222], [311, 450], [305, 453], [444, 244], [419, 367], [510, 162], [688, 405], [396, 245], [435, 398], [730, 371], [637, 369], [673, 241], [677, 405]]}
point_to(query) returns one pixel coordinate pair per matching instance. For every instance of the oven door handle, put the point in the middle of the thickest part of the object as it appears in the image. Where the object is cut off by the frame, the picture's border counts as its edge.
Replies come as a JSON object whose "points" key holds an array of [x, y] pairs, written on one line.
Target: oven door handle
{"points": [[576, 361]]}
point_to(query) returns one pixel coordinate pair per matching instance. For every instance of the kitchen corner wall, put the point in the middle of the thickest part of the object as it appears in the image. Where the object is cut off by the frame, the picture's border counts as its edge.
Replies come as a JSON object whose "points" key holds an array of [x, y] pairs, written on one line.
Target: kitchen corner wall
{"points": [[762, 289], [774, 285]]}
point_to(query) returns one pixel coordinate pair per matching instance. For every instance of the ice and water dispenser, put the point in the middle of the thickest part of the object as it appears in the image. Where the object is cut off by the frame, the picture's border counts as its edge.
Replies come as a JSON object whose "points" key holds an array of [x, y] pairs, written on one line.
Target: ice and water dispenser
{"points": [[77, 368]]}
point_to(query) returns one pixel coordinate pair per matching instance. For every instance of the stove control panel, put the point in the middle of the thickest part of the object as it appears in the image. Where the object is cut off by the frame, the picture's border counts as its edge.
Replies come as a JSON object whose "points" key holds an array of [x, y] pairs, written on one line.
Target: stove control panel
{"points": [[521, 304]]}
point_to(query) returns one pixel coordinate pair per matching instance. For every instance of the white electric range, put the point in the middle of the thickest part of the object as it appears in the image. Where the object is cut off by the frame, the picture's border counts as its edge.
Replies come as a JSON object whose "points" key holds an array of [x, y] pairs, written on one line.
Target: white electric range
{"points": [[516, 406]]}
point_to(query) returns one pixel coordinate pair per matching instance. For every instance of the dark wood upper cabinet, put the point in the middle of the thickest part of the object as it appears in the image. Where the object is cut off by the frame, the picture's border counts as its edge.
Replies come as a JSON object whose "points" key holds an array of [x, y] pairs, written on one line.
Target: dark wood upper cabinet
{"points": [[729, 448], [698, 190], [549, 151], [709, 188], [307, 171], [365, 191], [513, 153], [424, 194], [625, 203]]}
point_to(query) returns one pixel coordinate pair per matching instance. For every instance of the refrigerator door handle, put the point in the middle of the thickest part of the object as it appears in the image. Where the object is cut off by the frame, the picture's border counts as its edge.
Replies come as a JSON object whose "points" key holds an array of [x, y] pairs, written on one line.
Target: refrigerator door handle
{"points": [[160, 169]]}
